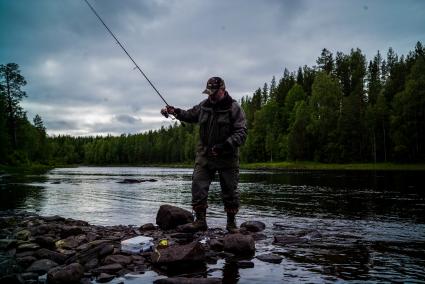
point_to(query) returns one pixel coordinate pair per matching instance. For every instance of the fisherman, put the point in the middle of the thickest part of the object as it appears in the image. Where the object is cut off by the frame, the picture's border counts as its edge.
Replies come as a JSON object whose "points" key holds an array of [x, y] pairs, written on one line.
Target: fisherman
{"points": [[222, 130]]}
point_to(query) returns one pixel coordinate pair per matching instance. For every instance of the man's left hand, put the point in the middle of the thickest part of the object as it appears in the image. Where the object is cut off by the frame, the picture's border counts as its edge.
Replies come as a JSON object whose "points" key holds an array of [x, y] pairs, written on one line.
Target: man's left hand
{"points": [[218, 149]]}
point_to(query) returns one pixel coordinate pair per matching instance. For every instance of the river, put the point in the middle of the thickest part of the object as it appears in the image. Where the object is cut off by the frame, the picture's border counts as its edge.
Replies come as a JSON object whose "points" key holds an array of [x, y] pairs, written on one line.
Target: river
{"points": [[371, 224]]}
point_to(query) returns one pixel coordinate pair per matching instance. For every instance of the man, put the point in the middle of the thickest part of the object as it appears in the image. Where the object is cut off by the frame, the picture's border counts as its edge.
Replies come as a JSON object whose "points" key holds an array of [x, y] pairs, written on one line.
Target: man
{"points": [[222, 129]]}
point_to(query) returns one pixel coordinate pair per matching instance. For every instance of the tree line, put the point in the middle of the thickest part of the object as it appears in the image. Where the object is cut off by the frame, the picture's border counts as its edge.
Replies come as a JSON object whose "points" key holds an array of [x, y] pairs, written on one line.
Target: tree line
{"points": [[344, 109]]}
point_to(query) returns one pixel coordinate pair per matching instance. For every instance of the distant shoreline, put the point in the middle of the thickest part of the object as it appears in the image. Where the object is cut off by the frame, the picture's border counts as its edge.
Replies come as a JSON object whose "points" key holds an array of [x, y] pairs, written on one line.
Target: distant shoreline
{"points": [[264, 166]]}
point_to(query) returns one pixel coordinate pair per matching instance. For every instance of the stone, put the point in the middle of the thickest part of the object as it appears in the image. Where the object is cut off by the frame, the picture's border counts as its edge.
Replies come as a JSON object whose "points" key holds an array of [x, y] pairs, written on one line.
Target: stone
{"points": [[25, 261], [239, 244], [6, 244], [185, 280], [288, 240], [253, 226], [190, 253], [104, 278], [147, 227], [12, 279], [70, 242], [43, 229], [71, 273], [244, 264], [23, 235], [98, 251], [52, 255], [118, 258], [66, 231], [27, 246], [54, 218], [41, 266], [45, 241], [216, 244], [109, 268], [29, 276], [93, 263], [169, 217], [272, 258]]}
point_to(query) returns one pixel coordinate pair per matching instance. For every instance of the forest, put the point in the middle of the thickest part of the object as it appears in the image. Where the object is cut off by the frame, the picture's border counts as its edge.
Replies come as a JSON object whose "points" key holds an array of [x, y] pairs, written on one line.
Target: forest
{"points": [[345, 109]]}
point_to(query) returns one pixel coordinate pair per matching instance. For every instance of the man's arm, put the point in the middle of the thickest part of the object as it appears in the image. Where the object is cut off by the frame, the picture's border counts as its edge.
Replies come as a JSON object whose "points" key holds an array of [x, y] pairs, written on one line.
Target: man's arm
{"points": [[239, 133], [190, 115]]}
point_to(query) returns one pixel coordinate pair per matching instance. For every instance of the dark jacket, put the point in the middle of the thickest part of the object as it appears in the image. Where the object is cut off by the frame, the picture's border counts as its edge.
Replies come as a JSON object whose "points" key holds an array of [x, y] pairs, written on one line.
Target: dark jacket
{"points": [[220, 123]]}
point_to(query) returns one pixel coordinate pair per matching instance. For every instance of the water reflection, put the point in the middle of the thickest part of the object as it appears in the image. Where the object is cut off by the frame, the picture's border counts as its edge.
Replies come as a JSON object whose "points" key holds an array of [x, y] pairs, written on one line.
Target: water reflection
{"points": [[371, 224]]}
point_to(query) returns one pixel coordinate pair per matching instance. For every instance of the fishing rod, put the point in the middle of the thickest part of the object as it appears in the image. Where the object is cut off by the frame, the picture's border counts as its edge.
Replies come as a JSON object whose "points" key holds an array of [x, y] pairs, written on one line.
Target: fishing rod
{"points": [[126, 52]]}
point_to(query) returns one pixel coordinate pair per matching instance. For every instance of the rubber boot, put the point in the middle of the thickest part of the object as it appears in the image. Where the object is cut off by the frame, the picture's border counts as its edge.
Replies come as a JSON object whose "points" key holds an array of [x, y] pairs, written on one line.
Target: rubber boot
{"points": [[200, 223], [231, 226]]}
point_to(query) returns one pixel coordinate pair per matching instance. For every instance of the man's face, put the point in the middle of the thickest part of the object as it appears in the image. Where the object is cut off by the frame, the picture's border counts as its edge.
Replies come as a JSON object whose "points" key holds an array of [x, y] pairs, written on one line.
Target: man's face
{"points": [[216, 96]]}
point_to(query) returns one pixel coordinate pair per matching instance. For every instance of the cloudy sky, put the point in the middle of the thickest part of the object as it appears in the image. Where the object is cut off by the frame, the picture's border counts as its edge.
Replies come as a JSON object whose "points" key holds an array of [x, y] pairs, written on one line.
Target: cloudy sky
{"points": [[81, 83]]}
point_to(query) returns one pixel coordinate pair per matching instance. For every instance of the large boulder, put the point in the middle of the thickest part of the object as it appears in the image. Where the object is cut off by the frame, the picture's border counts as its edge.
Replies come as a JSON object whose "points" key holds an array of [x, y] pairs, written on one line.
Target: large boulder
{"points": [[239, 244], [169, 217], [69, 274], [179, 254]]}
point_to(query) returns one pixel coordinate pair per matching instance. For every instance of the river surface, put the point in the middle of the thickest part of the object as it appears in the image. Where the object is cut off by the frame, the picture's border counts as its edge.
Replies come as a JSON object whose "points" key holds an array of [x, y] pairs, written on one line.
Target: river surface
{"points": [[357, 226]]}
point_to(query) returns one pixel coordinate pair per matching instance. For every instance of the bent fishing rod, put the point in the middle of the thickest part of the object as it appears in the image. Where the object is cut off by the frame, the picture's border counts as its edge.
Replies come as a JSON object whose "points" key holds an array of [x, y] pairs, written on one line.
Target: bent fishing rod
{"points": [[126, 52]]}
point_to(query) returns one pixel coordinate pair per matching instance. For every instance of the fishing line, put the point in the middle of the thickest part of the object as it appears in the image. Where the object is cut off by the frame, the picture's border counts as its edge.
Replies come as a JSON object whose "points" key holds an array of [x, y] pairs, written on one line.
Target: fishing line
{"points": [[129, 56]]}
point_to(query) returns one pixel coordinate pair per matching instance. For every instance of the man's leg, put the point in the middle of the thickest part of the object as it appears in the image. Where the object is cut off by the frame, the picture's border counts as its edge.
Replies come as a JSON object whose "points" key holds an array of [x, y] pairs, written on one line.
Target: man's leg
{"points": [[229, 178], [201, 180]]}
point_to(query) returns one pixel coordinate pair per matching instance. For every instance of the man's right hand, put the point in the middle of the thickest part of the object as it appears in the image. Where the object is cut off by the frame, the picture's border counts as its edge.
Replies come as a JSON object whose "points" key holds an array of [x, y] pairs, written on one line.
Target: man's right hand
{"points": [[168, 110]]}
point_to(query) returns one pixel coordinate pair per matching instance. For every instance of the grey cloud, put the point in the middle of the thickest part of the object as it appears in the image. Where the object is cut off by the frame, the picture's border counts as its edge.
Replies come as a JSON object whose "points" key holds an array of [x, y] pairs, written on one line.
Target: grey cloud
{"points": [[72, 63], [128, 119]]}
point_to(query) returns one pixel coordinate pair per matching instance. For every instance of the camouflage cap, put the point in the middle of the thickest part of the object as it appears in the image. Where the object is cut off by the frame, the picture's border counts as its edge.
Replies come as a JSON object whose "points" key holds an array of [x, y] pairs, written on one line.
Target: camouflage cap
{"points": [[213, 84]]}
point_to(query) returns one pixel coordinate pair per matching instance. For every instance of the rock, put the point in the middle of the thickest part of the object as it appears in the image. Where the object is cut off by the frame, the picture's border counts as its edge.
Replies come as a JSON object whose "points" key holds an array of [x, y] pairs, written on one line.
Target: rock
{"points": [[216, 244], [93, 263], [27, 246], [23, 235], [253, 226], [147, 227], [25, 261], [43, 229], [98, 251], [29, 276], [190, 253], [259, 236], [287, 240], [54, 218], [109, 268], [69, 274], [169, 217], [244, 264], [41, 266], [12, 279], [184, 280], [66, 231], [6, 244], [52, 255], [239, 244], [45, 241], [104, 277], [70, 242], [118, 258], [272, 258]]}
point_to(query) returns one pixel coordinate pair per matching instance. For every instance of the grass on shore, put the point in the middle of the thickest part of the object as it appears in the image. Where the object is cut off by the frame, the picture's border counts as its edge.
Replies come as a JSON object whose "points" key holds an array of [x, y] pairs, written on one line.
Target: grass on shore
{"points": [[324, 166]]}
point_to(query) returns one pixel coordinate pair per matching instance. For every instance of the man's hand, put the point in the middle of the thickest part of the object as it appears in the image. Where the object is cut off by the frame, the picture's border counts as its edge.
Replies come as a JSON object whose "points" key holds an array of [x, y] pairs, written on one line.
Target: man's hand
{"points": [[168, 110], [218, 149]]}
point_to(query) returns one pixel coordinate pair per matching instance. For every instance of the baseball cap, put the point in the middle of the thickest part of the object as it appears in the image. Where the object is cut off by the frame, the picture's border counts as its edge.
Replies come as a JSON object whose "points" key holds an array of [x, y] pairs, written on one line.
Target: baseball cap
{"points": [[213, 84]]}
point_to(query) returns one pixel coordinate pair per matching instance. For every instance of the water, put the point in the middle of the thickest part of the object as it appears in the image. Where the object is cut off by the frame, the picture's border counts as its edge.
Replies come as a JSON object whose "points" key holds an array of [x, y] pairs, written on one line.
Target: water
{"points": [[357, 226]]}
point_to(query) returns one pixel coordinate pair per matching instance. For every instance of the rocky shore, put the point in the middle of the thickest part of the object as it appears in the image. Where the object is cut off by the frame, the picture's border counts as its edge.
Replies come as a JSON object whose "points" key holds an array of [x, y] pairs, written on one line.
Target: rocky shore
{"points": [[53, 249]]}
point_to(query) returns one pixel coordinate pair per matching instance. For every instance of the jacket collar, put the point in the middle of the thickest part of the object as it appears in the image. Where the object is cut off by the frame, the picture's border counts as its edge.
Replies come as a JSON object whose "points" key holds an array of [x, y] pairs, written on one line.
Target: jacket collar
{"points": [[225, 103]]}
